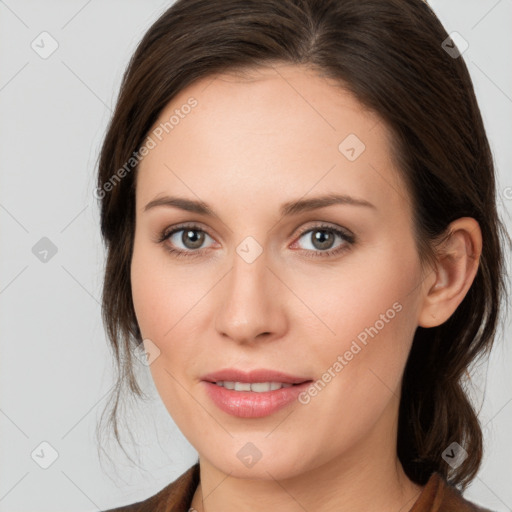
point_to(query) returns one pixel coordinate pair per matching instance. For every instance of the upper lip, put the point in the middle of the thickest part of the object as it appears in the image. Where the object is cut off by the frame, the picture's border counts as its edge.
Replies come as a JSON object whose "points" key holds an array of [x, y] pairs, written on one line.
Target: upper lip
{"points": [[258, 375]]}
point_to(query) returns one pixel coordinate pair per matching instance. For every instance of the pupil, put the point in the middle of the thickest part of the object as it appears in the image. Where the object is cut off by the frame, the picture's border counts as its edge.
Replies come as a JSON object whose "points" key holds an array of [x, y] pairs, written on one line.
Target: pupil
{"points": [[190, 238], [324, 238]]}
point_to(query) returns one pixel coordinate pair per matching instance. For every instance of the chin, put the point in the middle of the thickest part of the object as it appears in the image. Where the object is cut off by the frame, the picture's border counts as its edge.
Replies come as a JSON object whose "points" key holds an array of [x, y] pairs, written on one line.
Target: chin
{"points": [[274, 464]]}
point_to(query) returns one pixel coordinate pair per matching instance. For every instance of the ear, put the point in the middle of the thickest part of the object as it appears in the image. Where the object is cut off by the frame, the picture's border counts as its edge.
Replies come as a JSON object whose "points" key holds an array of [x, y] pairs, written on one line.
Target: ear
{"points": [[456, 266]]}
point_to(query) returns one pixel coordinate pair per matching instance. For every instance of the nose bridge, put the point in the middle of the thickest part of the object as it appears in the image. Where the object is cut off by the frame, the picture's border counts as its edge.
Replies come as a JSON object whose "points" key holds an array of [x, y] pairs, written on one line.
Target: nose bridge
{"points": [[250, 300]]}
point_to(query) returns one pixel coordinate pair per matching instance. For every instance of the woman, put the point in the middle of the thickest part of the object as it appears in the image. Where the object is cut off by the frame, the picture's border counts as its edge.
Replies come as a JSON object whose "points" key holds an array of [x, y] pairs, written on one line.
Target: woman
{"points": [[298, 203]]}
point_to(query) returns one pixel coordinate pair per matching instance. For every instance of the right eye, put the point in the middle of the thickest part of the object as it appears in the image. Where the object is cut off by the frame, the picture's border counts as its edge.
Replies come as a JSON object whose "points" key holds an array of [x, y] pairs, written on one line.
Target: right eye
{"points": [[191, 238]]}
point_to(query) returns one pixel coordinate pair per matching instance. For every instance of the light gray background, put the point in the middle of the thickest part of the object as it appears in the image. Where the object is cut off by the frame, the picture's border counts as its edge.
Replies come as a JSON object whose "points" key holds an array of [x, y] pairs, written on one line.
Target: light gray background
{"points": [[55, 367]]}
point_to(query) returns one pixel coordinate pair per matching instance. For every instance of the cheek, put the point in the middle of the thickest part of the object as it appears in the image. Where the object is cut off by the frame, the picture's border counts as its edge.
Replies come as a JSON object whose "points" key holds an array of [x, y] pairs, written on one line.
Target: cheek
{"points": [[360, 368], [162, 297], [163, 294], [370, 308], [147, 292], [367, 289], [169, 304]]}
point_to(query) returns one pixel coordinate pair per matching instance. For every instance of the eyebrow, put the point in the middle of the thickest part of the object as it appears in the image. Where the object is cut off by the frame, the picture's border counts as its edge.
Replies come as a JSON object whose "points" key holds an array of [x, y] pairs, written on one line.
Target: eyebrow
{"points": [[290, 208]]}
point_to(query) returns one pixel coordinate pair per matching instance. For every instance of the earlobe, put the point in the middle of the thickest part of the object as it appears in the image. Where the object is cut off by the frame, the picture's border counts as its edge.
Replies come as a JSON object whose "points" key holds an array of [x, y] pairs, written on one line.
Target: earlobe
{"points": [[456, 267]]}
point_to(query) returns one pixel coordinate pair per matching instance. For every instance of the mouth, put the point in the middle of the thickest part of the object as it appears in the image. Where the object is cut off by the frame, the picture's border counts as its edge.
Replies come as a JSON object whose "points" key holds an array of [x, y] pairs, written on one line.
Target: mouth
{"points": [[253, 394], [256, 387]]}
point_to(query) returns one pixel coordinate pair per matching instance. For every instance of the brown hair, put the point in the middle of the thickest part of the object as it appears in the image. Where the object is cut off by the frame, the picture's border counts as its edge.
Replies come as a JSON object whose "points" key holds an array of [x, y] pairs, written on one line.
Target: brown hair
{"points": [[389, 54]]}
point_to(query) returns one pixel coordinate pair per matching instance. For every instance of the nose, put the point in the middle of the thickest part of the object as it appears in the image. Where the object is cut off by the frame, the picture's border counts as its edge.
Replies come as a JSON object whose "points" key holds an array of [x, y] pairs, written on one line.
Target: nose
{"points": [[250, 305]]}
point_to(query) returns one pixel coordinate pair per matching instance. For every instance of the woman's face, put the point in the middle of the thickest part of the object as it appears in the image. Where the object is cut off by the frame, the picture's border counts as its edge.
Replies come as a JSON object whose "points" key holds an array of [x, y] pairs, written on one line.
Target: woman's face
{"points": [[273, 276]]}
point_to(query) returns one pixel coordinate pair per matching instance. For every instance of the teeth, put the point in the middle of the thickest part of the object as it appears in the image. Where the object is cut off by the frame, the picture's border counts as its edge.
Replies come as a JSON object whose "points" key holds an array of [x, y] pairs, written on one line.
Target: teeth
{"points": [[258, 387]]}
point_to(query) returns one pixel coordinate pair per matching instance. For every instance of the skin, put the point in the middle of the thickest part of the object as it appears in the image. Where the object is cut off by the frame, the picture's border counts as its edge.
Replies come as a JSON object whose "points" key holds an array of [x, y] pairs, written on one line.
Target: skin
{"points": [[251, 144]]}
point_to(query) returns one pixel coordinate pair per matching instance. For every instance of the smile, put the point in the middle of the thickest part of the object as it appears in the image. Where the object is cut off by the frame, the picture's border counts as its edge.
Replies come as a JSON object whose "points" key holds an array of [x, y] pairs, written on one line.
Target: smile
{"points": [[257, 387]]}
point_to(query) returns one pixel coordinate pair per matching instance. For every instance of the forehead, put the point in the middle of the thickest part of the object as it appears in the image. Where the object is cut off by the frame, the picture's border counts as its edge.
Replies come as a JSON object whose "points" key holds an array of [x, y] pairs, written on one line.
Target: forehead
{"points": [[278, 130]]}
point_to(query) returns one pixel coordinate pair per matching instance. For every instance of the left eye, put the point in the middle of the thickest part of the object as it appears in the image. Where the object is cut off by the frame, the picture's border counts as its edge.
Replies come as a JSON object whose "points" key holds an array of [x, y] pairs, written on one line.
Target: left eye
{"points": [[323, 238]]}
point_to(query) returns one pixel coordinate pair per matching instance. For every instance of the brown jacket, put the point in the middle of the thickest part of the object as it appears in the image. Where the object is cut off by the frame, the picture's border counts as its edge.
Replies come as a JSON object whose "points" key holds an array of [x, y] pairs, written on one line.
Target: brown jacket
{"points": [[437, 496]]}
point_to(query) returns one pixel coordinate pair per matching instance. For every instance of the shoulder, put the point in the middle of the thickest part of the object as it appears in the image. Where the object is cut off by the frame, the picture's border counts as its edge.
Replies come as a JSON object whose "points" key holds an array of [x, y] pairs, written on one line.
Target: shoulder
{"points": [[440, 496], [174, 497], [453, 500]]}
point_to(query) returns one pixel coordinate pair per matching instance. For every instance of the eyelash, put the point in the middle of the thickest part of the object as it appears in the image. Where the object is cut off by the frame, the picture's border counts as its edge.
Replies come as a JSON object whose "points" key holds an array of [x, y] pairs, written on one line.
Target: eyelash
{"points": [[178, 253]]}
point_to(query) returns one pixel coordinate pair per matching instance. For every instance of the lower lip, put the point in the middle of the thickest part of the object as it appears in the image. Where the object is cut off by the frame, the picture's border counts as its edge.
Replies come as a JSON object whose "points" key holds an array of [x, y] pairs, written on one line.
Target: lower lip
{"points": [[250, 404]]}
